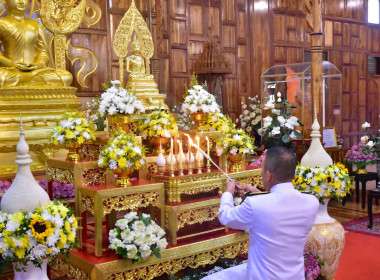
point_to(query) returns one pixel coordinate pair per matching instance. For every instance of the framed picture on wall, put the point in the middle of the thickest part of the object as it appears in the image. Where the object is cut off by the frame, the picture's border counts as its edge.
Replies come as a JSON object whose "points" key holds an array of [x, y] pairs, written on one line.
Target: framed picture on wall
{"points": [[329, 137]]}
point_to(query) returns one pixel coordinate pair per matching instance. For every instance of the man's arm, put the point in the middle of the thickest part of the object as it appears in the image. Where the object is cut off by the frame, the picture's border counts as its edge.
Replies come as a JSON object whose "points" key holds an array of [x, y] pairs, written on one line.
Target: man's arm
{"points": [[240, 217]]}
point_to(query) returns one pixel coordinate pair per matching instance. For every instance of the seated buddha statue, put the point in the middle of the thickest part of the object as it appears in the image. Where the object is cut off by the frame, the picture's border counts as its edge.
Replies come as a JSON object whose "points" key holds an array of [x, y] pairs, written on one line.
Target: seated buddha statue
{"points": [[25, 56], [135, 62]]}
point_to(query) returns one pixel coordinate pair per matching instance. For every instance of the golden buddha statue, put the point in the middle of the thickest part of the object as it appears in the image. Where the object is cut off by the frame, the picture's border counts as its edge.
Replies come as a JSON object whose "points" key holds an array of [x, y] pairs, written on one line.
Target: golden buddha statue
{"points": [[25, 57], [140, 81], [135, 62]]}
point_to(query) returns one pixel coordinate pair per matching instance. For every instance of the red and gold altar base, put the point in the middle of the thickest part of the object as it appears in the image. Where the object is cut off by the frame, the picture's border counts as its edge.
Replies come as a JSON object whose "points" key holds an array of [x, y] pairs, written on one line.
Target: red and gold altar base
{"points": [[123, 179], [159, 143], [73, 149], [326, 240], [236, 162], [200, 120], [118, 120]]}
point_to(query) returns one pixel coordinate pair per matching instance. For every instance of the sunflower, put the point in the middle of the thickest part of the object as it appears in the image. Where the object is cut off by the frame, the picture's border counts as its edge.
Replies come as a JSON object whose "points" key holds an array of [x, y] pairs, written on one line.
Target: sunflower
{"points": [[329, 179], [295, 180], [40, 228]]}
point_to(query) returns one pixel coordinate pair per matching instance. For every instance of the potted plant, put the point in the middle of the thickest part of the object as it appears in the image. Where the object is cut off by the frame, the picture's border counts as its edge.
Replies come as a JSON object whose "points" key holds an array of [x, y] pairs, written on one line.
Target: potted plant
{"points": [[159, 125], [361, 155], [137, 236], [279, 127], [118, 104], [122, 154], [198, 104], [28, 240], [235, 144], [72, 131]]}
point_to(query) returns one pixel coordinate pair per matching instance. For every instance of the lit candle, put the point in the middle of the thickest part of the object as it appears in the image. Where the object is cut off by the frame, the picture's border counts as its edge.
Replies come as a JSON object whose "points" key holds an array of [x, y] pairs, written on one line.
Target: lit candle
{"points": [[198, 153], [171, 155], [208, 155], [180, 154]]}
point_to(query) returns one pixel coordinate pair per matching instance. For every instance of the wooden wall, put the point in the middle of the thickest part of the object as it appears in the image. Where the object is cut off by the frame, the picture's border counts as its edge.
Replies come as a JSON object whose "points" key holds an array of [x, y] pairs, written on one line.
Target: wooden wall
{"points": [[253, 35]]}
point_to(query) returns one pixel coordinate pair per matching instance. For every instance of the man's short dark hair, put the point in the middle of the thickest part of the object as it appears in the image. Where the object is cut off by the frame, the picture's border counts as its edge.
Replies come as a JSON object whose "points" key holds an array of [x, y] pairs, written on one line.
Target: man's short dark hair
{"points": [[281, 162]]}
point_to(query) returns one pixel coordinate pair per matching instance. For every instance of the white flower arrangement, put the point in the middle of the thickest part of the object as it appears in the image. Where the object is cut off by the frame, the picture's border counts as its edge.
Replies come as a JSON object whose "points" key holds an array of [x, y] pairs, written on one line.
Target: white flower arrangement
{"points": [[27, 237], [117, 100], [251, 116], [137, 236], [199, 100], [235, 142]]}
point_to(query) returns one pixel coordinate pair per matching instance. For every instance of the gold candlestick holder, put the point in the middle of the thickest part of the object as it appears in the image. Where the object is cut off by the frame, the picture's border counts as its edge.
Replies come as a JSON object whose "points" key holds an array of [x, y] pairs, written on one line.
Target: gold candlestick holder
{"points": [[190, 168], [161, 170], [208, 165]]}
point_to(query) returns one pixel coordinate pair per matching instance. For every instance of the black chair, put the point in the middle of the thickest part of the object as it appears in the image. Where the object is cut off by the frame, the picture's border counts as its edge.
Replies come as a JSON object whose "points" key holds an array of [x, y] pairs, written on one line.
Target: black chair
{"points": [[371, 195]]}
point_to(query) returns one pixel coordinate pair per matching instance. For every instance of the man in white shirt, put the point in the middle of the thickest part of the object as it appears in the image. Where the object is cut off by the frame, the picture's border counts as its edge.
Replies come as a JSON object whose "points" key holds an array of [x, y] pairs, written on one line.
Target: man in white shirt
{"points": [[278, 222]]}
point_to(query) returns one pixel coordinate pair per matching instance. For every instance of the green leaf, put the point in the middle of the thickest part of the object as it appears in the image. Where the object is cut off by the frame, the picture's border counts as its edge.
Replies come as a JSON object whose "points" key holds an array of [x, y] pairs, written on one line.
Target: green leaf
{"points": [[286, 138], [297, 134]]}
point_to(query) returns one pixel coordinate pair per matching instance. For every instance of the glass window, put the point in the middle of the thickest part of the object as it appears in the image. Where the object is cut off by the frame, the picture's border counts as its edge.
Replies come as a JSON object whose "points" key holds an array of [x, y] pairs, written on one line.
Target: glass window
{"points": [[373, 11]]}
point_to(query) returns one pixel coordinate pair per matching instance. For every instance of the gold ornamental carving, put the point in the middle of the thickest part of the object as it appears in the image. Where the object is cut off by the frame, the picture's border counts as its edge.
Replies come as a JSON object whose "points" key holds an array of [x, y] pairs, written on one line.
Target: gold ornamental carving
{"points": [[93, 176], [61, 175], [71, 271], [175, 265], [130, 202], [200, 189], [197, 216], [327, 241], [88, 204]]}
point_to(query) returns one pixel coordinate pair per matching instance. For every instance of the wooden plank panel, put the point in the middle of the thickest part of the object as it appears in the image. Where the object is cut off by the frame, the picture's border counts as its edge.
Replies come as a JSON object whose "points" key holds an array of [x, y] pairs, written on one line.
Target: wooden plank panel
{"points": [[178, 32], [242, 77], [279, 54], [228, 37], [179, 61], [178, 7], [300, 29], [363, 65], [196, 19], [230, 100], [164, 14], [334, 8], [241, 51], [213, 21], [232, 59], [288, 4], [346, 34], [355, 9], [291, 55], [362, 37], [328, 33], [178, 89], [195, 47], [241, 26], [363, 93], [337, 27], [228, 10], [279, 31], [164, 81], [345, 78], [354, 78]]}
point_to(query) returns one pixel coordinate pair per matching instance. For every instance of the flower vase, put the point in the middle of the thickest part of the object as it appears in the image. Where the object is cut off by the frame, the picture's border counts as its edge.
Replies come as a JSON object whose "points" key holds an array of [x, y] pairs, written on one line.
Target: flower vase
{"points": [[32, 272], [200, 120], [118, 121], [326, 240], [73, 154], [361, 170], [236, 162], [123, 179], [159, 143], [339, 146]]}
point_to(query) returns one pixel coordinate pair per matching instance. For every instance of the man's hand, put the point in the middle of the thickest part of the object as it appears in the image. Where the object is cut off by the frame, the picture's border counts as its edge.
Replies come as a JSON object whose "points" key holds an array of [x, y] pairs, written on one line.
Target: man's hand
{"points": [[230, 186], [249, 188]]}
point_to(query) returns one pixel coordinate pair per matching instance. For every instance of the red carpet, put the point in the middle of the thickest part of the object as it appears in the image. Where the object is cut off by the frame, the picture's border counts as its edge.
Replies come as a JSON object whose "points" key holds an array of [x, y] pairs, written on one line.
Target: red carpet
{"points": [[359, 260]]}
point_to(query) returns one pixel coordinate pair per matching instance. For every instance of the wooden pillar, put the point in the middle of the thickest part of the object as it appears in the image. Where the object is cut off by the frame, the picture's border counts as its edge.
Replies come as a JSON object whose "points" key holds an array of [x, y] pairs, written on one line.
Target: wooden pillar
{"points": [[314, 25]]}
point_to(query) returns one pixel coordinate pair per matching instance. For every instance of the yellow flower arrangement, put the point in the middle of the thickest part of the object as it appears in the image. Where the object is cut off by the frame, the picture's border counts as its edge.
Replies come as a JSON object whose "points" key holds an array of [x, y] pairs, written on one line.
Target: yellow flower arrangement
{"points": [[159, 123], [73, 129], [219, 122], [235, 142], [329, 182], [31, 236], [122, 152]]}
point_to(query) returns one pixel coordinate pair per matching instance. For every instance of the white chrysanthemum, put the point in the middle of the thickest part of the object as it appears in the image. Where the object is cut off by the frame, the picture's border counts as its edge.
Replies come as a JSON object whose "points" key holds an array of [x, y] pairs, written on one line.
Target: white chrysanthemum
{"points": [[38, 251], [122, 224], [145, 251], [113, 164], [137, 150], [161, 244], [12, 226]]}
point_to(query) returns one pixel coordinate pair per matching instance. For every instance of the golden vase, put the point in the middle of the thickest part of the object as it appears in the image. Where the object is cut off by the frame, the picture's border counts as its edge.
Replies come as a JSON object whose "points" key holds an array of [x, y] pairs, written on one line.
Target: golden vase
{"points": [[118, 121], [73, 154], [361, 170], [200, 120], [123, 177], [326, 240], [236, 162], [159, 143]]}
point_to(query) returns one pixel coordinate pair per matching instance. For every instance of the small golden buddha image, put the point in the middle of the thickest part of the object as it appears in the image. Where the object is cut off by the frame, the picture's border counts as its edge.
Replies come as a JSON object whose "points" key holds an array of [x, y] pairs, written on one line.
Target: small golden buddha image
{"points": [[25, 56], [135, 62]]}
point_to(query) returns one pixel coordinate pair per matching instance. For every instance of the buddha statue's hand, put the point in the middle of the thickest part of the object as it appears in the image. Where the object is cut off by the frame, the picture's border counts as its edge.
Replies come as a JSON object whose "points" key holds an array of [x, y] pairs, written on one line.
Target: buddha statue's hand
{"points": [[25, 67]]}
